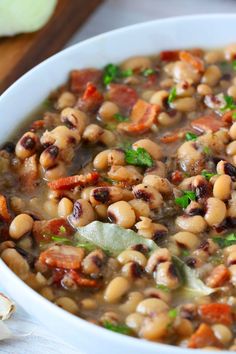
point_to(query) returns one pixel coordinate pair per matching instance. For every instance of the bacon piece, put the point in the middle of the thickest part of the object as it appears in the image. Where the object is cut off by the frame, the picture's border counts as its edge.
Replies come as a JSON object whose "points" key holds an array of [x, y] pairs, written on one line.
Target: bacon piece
{"points": [[67, 183], [80, 78], [216, 313], [29, 174], [218, 276], [143, 116], [91, 99], [124, 96], [177, 177], [207, 123], [83, 282], [37, 124], [42, 230], [169, 55], [203, 337], [170, 138], [66, 257], [193, 60], [5, 214], [227, 117]]}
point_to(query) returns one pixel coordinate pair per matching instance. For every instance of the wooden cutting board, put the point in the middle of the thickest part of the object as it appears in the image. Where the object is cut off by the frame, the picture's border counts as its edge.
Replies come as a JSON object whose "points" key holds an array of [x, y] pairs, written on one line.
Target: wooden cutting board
{"points": [[20, 53]]}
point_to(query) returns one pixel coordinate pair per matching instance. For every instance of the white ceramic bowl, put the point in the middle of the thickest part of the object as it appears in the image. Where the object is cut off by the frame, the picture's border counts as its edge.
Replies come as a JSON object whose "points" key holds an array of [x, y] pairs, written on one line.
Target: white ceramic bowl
{"points": [[26, 94]]}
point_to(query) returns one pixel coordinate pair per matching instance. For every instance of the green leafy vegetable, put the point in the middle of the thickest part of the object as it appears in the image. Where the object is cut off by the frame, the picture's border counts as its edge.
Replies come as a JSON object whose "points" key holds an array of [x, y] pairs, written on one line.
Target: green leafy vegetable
{"points": [[207, 174], [185, 199], [225, 241], [173, 313], [163, 288], [119, 328], [63, 240], [207, 150], [139, 157], [234, 116], [148, 72], [111, 73], [190, 136], [229, 104], [172, 95], [62, 229], [234, 64], [185, 253], [120, 118], [127, 73]]}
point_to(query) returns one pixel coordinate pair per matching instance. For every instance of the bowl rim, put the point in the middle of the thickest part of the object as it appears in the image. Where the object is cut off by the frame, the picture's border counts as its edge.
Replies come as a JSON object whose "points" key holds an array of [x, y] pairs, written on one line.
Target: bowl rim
{"points": [[97, 331]]}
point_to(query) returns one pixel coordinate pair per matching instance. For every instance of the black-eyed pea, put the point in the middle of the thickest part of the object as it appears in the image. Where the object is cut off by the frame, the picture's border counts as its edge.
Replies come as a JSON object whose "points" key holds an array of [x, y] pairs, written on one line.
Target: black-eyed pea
{"points": [[34, 282], [229, 249], [105, 195], [232, 91], [156, 327], [128, 174], [203, 90], [147, 94], [157, 257], [190, 157], [232, 131], [214, 56], [82, 214], [16, 262], [148, 194], [86, 192], [51, 208], [166, 119], [194, 208], [222, 187], [231, 259], [167, 83], [224, 167], [132, 256], [231, 148], [66, 303], [230, 52], [194, 224], [107, 137], [49, 157], [101, 211], [92, 133], [27, 145], [137, 63], [6, 244], [185, 104], [183, 71], [26, 243], [223, 333], [150, 306], [159, 98], [62, 136], [117, 288], [74, 119], [186, 184], [162, 185], [211, 75], [132, 301], [110, 316], [232, 270], [183, 327], [161, 292], [152, 148], [122, 214], [184, 89], [132, 270], [55, 172], [17, 204], [48, 293], [116, 157], [186, 239], [66, 99], [65, 207], [20, 225], [100, 161], [215, 211], [107, 111], [93, 262], [166, 275], [134, 321], [88, 304], [140, 207]]}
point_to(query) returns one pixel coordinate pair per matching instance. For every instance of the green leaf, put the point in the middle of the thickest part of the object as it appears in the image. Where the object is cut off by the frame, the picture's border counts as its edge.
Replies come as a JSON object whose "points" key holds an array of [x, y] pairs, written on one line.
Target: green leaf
{"points": [[139, 157], [207, 150], [190, 136], [62, 229], [185, 253], [120, 118], [173, 313], [225, 241], [119, 328], [185, 199], [207, 174], [234, 116], [172, 95], [163, 288], [62, 240], [148, 72], [127, 73], [234, 64], [111, 73], [229, 104]]}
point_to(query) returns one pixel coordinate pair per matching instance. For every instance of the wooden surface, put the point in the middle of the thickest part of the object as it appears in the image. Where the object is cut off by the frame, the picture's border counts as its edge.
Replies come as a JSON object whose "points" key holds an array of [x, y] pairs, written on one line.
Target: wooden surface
{"points": [[20, 53]]}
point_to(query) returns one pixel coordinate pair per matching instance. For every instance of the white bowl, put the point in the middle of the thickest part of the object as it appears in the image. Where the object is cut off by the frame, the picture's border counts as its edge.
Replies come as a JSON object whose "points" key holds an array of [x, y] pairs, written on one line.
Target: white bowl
{"points": [[207, 31]]}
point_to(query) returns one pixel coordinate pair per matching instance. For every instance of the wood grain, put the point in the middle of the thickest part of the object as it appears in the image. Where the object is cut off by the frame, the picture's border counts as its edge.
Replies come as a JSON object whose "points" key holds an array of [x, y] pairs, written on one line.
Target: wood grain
{"points": [[20, 53]]}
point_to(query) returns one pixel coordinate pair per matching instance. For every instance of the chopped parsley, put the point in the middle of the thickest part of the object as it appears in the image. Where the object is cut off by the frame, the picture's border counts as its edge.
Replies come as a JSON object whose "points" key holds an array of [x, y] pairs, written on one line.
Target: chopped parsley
{"points": [[172, 95], [225, 241], [229, 104], [163, 288], [173, 313], [207, 150], [119, 328], [111, 73], [63, 240], [127, 73], [190, 136], [185, 199], [120, 118], [62, 229], [139, 157], [234, 116], [148, 72], [234, 64], [185, 253], [207, 174]]}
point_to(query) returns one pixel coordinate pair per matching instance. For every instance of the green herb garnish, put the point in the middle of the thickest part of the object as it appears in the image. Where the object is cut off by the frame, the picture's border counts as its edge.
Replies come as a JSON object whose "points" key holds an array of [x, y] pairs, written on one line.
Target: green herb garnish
{"points": [[207, 174], [163, 288], [207, 150], [148, 72], [139, 157], [111, 73], [234, 116], [229, 104], [119, 328], [185, 253], [234, 64], [87, 246], [172, 95], [120, 118], [62, 229], [185, 199], [173, 313], [63, 240], [190, 136], [127, 73], [226, 241]]}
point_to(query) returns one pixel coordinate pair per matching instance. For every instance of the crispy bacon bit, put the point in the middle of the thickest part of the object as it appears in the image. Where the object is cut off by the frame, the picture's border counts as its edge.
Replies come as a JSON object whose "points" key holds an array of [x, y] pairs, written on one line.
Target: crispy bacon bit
{"points": [[193, 60], [124, 96], [80, 78], [66, 257], [216, 313], [177, 177], [83, 282], [143, 116], [5, 214], [218, 276], [91, 99], [42, 230], [29, 174], [169, 55], [70, 182], [170, 138], [227, 117], [37, 124], [207, 123], [203, 337]]}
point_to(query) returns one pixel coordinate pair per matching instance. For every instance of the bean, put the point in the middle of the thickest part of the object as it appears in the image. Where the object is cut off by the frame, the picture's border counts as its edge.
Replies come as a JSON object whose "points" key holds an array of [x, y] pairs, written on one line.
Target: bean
{"points": [[212, 75], [167, 83], [183, 328], [223, 333], [131, 303], [194, 224], [230, 52], [101, 211], [232, 270], [93, 262], [214, 56], [116, 157], [92, 133], [27, 145], [166, 275], [86, 192], [20, 225], [159, 98], [232, 131], [232, 91], [158, 293], [134, 321], [152, 148], [156, 327], [231, 148], [105, 195], [158, 169], [151, 306], [148, 194], [222, 187], [82, 214], [88, 304], [186, 104], [66, 99], [107, 111], [100, 161], [16, 262], [182, 71], [216, 211], [140, 207], [157, 257], [107, 138], [128, 174], [47, 292], [190, 157], [122, 214], [116, 289], [6, 244], [67, 304], [51, 208], [65, 207], [162, 185], [137, 63], [74, 119], [186, 239], [231, 259], [166, 119], [55, 172], [204, 90], [147, 94], [130, 255], [184, 89]]}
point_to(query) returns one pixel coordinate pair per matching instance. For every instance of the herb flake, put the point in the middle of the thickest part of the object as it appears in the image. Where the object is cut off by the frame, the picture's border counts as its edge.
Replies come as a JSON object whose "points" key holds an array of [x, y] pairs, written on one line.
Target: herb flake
{"points": [[120, 118], [172, 95], [163, 288], [127, 73], [111, 73], [173, 313], [226, 241], [62, 240], [119, 328], [139, 157], [148, 72], [208, 174], [229, 104], [185, 199], [190, 136]]}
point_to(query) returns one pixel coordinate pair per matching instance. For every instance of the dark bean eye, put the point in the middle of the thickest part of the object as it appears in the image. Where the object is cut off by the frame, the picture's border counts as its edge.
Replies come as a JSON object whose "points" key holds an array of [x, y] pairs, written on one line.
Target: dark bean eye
{"points": [[28, 143], [53, 151], [112, 218], [141, 194], [9, 147], [101, 195], [77, 210], [230, 170]]}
